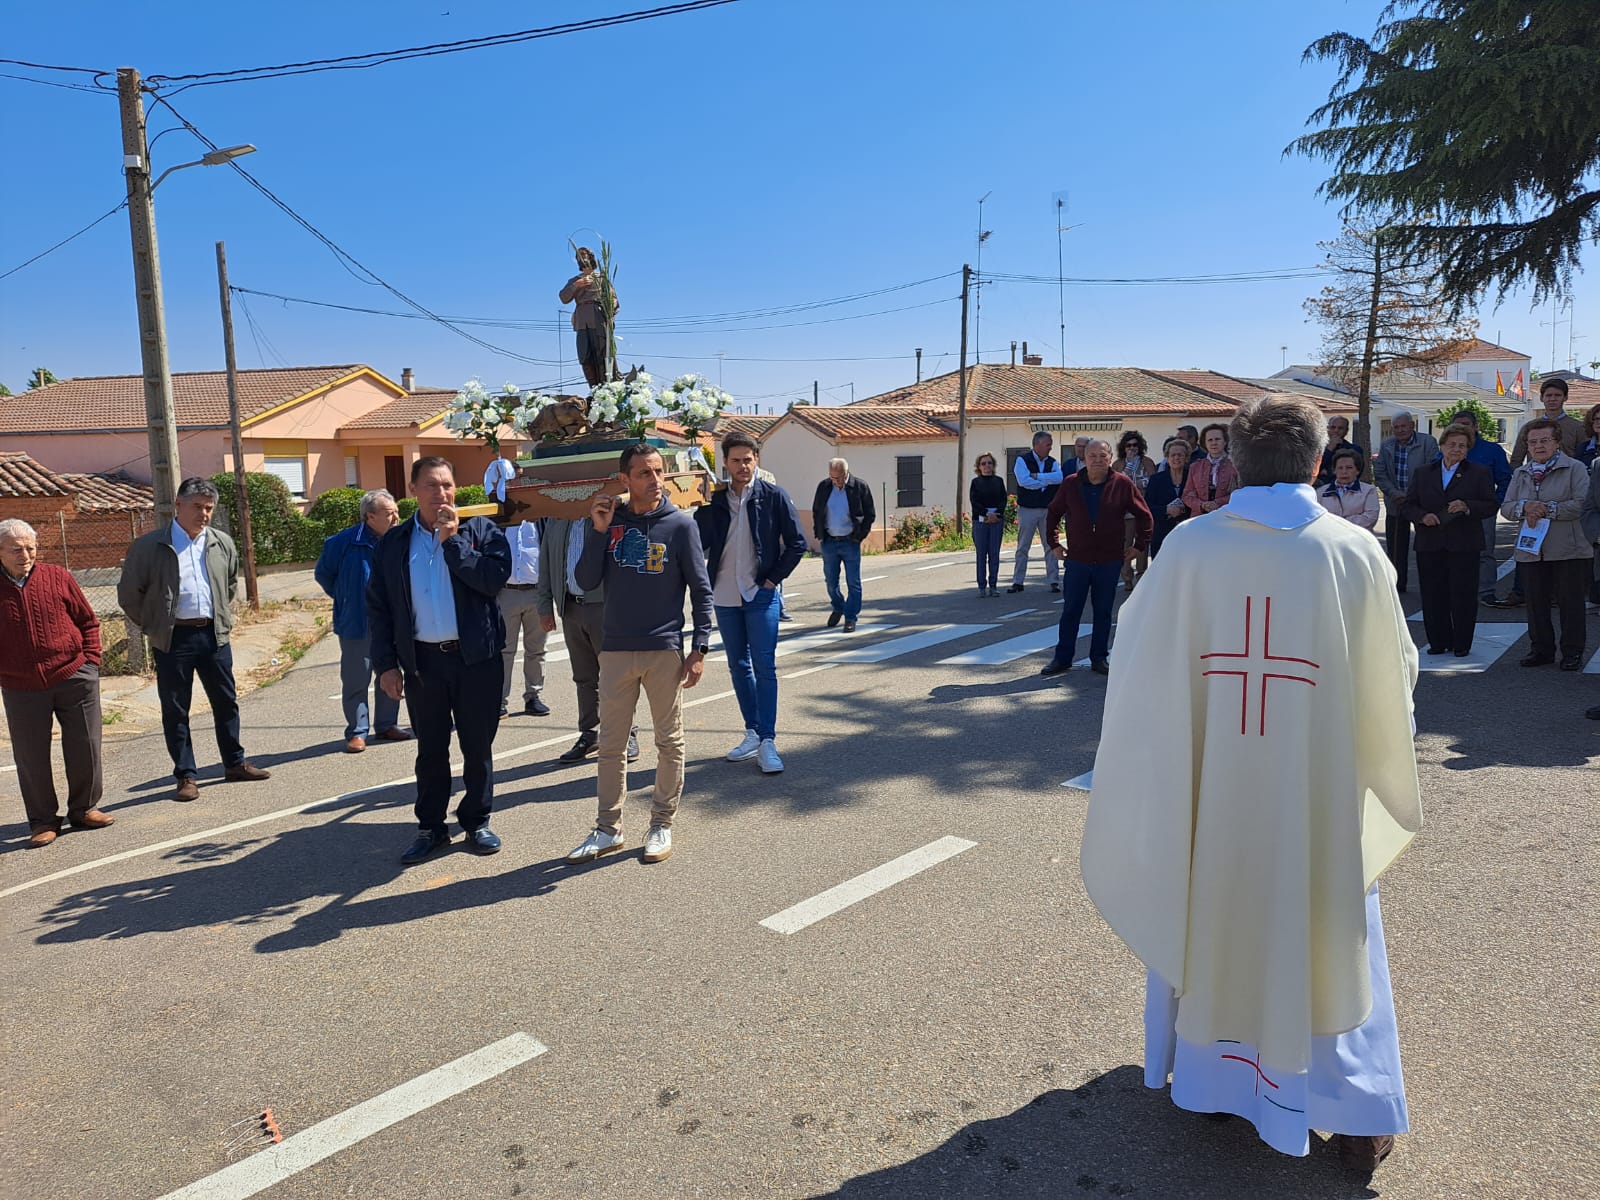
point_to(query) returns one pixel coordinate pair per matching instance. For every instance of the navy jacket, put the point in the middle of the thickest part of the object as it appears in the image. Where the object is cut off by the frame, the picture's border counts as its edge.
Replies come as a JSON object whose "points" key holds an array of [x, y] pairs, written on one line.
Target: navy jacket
{"points": [[342, 571], [774, 527], [479, 559], [862, 511]]}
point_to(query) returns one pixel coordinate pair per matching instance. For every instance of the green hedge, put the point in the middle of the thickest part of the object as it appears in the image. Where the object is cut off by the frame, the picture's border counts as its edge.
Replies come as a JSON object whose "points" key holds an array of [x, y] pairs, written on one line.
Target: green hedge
{"points": [[336, 509], [280, 531]]}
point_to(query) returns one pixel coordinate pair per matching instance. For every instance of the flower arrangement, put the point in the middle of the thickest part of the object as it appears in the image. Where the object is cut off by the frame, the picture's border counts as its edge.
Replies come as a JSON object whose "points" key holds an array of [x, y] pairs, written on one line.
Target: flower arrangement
{"points": [[476, 413], [694, 402], [625, 403]]}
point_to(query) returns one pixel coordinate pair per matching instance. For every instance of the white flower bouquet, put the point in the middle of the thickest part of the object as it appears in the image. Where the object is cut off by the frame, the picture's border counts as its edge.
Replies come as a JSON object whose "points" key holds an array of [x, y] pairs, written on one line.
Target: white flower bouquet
{"points": [[475, 413], [623, 402], [694, 401]]}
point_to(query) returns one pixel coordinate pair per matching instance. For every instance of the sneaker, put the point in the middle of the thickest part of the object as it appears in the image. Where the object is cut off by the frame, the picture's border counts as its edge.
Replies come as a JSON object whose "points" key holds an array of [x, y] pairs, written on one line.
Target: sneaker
{"points": [[597, 843], [747, 748], [994, 591], [658, 845], [771, 764], [587, 744], [633, 746]]}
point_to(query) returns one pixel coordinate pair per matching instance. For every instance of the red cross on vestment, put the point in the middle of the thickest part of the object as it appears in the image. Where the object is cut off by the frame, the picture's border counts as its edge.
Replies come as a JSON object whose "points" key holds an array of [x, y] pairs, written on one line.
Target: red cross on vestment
{"points": [[1258, 664]]}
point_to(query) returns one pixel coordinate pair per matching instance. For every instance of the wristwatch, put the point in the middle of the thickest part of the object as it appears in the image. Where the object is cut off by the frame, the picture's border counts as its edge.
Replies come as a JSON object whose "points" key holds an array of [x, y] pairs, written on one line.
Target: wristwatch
{"points": [[702, 648]]}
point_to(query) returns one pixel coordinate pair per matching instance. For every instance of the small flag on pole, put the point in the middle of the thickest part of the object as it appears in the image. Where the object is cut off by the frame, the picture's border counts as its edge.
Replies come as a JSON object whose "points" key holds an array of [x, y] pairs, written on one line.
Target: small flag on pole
{"points": [[1517, 388], [1499, 385]]}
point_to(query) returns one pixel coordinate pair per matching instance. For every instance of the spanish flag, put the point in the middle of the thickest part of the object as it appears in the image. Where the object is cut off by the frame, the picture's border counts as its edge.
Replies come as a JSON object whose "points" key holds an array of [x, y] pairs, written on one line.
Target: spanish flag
{"points": [[1517, 387], [1499, 385]]}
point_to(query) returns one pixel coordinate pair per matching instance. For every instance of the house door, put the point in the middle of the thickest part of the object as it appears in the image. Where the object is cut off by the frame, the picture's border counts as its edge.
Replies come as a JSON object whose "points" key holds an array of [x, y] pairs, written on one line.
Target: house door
{"points": [[394, 474]]}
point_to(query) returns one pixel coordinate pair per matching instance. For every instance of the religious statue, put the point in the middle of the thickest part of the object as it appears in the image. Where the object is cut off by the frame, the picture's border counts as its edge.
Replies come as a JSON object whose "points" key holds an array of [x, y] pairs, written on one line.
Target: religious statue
{"points": [[596, 307]]}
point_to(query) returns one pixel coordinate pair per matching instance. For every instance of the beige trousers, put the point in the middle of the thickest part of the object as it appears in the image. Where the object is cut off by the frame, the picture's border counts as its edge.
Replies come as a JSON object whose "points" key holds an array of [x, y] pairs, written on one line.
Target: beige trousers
{"points": [[622, 674]]}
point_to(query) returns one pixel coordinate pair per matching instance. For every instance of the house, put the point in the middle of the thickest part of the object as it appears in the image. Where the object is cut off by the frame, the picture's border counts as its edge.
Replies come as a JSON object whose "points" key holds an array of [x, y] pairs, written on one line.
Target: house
{"points": [[1409, 391], [82, 520], [1482, 363]]}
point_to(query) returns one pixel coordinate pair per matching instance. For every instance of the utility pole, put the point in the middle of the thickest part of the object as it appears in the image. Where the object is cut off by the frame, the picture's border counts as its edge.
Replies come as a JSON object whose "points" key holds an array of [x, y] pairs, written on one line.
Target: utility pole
{"points": [[977, 323], [919, 364], [961, 407], [158, 406], [241, 499]]}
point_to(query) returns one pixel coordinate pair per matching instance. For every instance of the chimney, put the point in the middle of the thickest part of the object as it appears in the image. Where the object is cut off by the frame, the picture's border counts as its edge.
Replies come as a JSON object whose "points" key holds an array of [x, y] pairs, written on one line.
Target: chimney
{"points": [[1013, 353], [408, 379], [919, 364], [1031, 360]]}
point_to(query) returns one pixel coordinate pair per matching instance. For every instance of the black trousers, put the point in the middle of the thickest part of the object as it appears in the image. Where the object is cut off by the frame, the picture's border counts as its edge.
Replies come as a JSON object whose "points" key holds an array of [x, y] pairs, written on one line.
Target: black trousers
{"points": [[194, 651], [1397, 541], [444, 693], [1449, 583], [1562, 581]]}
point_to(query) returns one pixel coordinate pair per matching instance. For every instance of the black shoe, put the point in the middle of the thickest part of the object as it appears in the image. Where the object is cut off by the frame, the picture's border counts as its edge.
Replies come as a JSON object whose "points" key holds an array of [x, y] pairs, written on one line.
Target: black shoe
{"points": [[1511, 601], [483, 841], [1055, 667], [850, 625], [536, 707], [428, 841], [633, 746], [586, 745], [1594, 713], [504, 713], [834, 619], [1572, 662], [1464, 653], [1438, 650], [1488, 599], [1055, 587], [1013, 589], [1100, 668], [1538, 660]]}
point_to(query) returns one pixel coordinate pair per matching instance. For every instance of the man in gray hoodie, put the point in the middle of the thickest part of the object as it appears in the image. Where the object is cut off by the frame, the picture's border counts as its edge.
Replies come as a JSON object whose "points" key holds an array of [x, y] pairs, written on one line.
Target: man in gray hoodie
{"points": [[646, 553]]}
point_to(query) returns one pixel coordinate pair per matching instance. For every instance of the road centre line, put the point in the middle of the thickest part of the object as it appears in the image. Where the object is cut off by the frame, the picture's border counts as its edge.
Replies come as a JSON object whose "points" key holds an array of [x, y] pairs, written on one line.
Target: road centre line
{"points": [[872, 578], [808, 912], [935, 566], [343, 1130]]}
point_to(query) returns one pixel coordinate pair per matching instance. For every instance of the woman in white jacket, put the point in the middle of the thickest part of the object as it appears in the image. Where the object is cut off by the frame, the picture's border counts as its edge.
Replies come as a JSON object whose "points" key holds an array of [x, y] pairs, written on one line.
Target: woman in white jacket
{"points": [[1347, 496]]}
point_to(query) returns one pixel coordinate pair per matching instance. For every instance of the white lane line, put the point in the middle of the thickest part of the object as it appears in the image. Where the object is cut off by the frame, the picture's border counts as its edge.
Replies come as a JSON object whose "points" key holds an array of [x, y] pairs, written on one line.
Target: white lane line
{"points": [[8, 767], [343, 1130], [1594, 666], [1506, 567], [827, 666], [698, 701], [1081, 782], [809, 912], [1011, 649], [872, 578], [895, 647], [937, 565], [818, 637], [1021, 612], [1489, 642]]}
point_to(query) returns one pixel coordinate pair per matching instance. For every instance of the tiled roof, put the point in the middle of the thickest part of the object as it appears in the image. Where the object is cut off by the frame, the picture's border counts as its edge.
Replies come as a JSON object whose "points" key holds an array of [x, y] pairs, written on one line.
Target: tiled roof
{"points": [[109, 493], [1480, 349], [994, 389], [1582, 394], [21, 477], [407, 412], [753, 424], [116, 402], [876, 423]]}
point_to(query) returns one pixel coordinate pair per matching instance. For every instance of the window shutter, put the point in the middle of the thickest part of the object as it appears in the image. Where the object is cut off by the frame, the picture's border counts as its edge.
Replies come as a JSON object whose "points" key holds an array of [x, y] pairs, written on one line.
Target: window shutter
{"points": [[908, 481], [352, 471], [293, 473]]}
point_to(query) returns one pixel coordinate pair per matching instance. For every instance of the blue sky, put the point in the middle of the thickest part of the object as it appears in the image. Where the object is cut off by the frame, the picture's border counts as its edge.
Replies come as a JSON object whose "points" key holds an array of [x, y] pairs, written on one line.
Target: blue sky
{"points": [[751, 157]]}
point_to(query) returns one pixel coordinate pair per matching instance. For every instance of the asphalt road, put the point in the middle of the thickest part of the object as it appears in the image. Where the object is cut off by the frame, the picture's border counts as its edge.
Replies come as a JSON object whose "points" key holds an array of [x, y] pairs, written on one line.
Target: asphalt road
{"points": [[971, 1030]]}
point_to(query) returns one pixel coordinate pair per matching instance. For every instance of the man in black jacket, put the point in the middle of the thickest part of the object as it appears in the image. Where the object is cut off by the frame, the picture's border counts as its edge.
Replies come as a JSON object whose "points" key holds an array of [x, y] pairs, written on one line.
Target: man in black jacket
{"points": [[841, 517], [437, 634], [752, 539]]}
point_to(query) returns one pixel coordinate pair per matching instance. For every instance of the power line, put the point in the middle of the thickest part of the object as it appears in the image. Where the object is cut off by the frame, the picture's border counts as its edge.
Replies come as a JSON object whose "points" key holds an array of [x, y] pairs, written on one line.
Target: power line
{"points": [[33, 66], [357, 62], [70, 237], [71, 87], [1162, 280]]}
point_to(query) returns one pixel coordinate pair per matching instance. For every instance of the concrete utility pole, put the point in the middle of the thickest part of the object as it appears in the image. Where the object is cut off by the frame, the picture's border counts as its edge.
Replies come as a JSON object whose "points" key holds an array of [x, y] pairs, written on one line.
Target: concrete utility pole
{"points": [[241, 499], [158, 405], [961, 407]]}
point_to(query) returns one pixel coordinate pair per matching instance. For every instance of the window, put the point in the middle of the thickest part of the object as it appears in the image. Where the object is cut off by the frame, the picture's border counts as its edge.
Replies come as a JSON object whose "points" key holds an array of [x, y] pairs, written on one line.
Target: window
{"points": [[352, 471], [908, 481], [292, 471], [1008, 467]]}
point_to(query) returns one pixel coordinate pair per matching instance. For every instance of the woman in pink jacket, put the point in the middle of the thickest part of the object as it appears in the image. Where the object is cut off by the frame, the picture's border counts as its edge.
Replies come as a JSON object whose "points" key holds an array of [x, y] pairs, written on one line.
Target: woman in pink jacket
{"points": [[1347, 496], [1212, 478]]}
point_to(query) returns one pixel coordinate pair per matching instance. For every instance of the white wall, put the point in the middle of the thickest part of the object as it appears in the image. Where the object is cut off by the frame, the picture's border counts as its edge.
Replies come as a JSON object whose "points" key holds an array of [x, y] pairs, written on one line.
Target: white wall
{"points": [[1480, 371]]}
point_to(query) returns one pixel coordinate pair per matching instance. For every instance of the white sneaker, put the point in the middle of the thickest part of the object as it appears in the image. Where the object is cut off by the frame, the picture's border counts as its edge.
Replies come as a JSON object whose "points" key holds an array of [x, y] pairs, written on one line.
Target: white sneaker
{"points": [[767, 755], [747, 748], [658, 845], [597, 843]]}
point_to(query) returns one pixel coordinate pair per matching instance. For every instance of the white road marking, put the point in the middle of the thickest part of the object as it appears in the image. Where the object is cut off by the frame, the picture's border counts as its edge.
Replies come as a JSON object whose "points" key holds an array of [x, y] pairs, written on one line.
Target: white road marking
{"points": [[1043, 638], [809, 912], [326, 1138], [883, 651], [1506, 567], [1081, 782], [937, 565], [8, 767], [699, 700], [1021, 612], [827, 666], [1594, 666], [1489, 642], [818, 637], [872, 578]]}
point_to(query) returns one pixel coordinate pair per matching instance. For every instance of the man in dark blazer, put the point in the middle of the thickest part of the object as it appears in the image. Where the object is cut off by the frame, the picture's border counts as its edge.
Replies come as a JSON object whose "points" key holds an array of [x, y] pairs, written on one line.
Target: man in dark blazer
{"points": [[437, 634], [842, 514]]}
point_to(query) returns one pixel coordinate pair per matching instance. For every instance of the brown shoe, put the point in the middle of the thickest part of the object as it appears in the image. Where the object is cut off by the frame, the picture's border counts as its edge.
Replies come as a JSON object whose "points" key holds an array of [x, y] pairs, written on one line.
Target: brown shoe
{"points": [[395, 734], [355, 745], [1364, 1153], [245, 772], [93, 819], [188, 789], [42, 837]]}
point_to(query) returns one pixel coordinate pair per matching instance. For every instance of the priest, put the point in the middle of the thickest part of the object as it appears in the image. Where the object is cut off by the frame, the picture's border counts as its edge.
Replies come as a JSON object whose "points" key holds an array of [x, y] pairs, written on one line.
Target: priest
{"points": [[1239, 865]]}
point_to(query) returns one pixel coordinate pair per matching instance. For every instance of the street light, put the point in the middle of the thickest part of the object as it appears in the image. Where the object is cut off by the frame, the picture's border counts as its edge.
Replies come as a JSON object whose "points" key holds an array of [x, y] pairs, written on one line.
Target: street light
{"points": [[215, 159]]}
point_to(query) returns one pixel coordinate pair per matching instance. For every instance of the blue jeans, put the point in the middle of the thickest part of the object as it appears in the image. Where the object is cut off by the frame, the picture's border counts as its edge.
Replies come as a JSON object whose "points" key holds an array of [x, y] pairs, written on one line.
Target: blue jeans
{"points": [[750, 639], [1094, 582], [355, 681], [986, 539], [846, 552], [194, 651]]}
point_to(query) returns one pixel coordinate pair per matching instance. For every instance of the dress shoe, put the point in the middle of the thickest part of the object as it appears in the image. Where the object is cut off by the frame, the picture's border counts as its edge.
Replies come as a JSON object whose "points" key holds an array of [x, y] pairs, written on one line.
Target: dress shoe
{"points": [[41, 837], [428, 841], [994, 591], [1363, 1153], [1438, 650], [1593, 714], [1055, 667], [581, 749], [834, 618], [395, 734], [1013, 589], [850, 625], [483, 840], [1488, 599], [1538, 660], [1055, 587], [1572, 662], [1512, 601], [245, 772], [93, 819], [1464, 653], [188, 789], [535, 707], [355, 745], [1102, 667], [633, 746]]}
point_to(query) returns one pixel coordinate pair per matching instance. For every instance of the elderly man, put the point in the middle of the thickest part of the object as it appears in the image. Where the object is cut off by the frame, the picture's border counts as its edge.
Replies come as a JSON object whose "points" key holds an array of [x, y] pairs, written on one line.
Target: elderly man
{"points": [[1096, 503], [343, 571], [1238, 864], [49, 674], [842, 514], [1338, 439], [1399, 456], [178, 585], [1038, 479]]}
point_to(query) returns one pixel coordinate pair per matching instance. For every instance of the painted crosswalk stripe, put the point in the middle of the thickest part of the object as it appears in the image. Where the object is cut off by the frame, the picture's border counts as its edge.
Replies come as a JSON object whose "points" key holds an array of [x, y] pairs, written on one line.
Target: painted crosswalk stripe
{"points": [[1000, 653], [1593, 667], [819, 637], [895, 647], [340, 1132], [1021, 612], [872, 578], [827, 666], [1489, 642], [1082, 782], [808, 912]]}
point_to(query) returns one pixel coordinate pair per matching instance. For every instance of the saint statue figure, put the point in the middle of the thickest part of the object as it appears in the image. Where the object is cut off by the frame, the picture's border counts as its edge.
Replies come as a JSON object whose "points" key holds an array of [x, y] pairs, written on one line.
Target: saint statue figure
{"points": [[588, 288]]}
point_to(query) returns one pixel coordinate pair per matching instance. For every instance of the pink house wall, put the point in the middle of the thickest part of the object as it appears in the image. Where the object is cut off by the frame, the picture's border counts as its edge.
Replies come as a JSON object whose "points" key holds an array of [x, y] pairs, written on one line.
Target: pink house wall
{"points": [[200, 452]]}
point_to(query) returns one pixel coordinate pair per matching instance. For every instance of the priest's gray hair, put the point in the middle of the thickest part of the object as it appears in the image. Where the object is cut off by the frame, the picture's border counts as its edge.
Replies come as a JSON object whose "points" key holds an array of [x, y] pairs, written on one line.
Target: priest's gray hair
{"points": [[840, 463], [371, 500], [16, 527], [1277, 440]]}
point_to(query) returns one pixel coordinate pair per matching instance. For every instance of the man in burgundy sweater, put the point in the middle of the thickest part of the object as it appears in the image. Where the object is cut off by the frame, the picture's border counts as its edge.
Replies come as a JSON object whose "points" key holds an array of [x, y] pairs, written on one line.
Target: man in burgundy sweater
{"points": [[1095, 502], [49, 672]]}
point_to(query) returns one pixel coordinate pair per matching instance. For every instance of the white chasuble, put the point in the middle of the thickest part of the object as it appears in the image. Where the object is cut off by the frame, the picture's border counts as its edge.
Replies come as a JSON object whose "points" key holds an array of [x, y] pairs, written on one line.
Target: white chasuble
{"points": [[1255, 775]]}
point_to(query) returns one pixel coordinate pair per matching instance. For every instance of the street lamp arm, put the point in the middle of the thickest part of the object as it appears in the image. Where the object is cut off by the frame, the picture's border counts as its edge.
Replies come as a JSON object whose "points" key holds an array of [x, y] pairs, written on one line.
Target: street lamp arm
{"points": [[214, 159]]}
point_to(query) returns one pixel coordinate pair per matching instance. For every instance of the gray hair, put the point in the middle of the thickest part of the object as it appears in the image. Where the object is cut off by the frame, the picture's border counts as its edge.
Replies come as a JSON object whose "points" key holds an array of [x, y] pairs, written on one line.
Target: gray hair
{"points": [[198, 485], [16, 527], [1277, 440], [840, 463], [1403, 415], [369, 501], [1094, 441]]}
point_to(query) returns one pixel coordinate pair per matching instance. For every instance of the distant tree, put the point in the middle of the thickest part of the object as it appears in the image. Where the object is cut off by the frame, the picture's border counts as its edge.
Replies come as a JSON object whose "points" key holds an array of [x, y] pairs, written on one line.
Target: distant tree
{"points": [[1383, 312], [4, 390], [41, 377], [1477, 124]]}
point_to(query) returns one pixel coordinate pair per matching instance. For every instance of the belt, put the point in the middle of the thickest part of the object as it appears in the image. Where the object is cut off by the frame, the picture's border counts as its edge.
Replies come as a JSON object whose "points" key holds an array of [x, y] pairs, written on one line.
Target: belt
{"points": [[522, 587], [571, 599], [453, 646], [193, 622]]}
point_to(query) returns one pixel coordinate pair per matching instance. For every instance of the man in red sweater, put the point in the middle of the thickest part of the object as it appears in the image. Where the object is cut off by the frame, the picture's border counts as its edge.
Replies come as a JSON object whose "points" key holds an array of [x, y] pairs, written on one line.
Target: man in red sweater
{"points": [[1095, 502], [49, 672]]}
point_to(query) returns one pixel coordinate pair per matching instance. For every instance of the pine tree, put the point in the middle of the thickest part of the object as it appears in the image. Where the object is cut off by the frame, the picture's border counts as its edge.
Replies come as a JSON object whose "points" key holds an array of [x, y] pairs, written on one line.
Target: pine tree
{"points": [[1476, 125]]}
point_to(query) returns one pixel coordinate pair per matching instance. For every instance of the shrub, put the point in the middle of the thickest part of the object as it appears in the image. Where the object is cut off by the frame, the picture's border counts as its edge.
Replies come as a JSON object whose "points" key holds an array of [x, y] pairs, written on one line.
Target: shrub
{"points": [[935, 530], [1476, 409], [336, 509], [472, 493], [280, 532], [407, 505]]}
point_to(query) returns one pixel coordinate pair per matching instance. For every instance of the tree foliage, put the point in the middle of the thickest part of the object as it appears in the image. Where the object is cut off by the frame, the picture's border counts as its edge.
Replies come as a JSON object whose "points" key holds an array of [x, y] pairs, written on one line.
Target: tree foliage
{"points": [[41, 377], [1475, 125]]}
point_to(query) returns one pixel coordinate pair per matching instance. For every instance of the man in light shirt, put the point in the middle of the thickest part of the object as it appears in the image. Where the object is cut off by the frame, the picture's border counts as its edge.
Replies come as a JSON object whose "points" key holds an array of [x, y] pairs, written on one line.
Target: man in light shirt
{"points": [[842, 514], [1038, 479], [178, 584], [519, 605]]}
